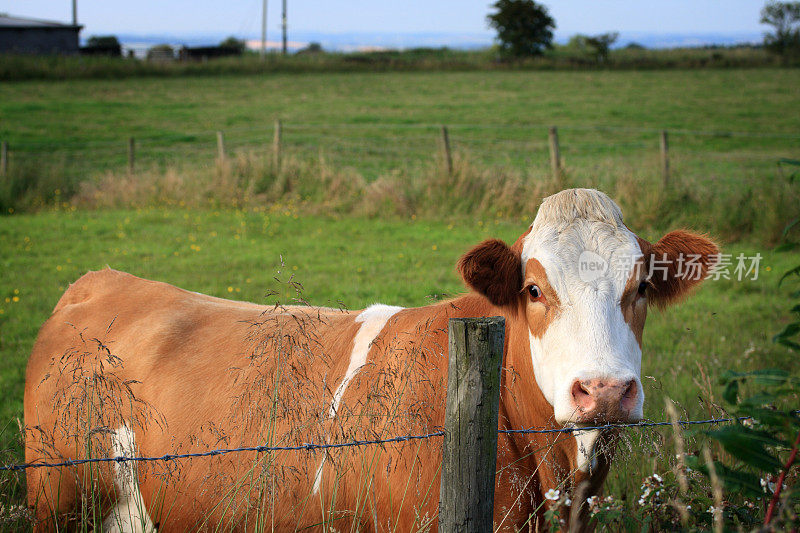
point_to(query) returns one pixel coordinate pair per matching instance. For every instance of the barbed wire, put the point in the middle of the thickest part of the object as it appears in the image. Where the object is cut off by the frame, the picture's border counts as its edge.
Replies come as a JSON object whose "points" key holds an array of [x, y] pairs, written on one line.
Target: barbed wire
{"points": [[310, 446]]}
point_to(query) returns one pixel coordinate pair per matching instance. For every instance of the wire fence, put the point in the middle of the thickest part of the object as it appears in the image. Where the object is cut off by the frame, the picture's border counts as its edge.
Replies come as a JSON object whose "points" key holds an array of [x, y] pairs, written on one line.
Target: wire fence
{"points": [[373, 148], [311, 447]]}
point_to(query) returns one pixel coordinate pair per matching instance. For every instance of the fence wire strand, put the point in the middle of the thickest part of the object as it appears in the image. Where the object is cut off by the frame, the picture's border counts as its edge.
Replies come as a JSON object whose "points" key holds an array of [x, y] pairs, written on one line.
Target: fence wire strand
{"points": [[311, 447]]}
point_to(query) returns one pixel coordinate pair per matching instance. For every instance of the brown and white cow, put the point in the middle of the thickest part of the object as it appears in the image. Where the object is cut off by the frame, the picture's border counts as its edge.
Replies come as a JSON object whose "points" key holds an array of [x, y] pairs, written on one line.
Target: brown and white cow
{"points": [[127, 366]]}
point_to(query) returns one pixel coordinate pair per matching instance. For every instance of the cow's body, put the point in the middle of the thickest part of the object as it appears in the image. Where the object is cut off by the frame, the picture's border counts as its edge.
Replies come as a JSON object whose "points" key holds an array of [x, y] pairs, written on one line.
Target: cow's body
{"points": [[126, 366]]}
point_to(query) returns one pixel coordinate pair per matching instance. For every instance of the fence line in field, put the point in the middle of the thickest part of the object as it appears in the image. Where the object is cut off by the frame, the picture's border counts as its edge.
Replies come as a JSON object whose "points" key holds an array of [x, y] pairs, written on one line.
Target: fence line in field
{"points": [[323, 136], [310, 446]]}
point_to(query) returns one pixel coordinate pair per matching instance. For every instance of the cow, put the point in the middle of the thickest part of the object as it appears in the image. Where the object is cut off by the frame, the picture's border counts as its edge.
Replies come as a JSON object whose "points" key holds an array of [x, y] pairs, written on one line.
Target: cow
{"points": [[128, 367]]}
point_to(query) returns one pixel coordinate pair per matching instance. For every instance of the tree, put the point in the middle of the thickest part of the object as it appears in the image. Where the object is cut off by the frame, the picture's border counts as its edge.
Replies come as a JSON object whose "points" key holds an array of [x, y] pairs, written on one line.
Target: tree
{"points": [[103, 45], [232, 43], [785, 18], [601, 44], [524, 28], [103, 41]]}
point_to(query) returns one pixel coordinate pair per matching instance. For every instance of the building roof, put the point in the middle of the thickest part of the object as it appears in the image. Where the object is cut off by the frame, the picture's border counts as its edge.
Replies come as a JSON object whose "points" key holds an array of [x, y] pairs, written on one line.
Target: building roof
{"points": [[7, 21]]}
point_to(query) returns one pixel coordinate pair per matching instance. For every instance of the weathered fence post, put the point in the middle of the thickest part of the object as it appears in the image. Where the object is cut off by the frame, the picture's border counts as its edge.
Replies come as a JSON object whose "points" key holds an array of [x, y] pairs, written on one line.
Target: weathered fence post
{"points": [[664, 157], [555, 154], [466, 495], [4, 158], [131, 156], [276, 146], [220, 147], [448, 158]]}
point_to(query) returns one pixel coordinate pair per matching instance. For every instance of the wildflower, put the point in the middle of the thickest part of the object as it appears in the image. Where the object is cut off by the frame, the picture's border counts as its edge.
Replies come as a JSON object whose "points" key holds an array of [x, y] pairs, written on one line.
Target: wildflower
{"points": [[230, 289], [712, 509], [552, 494], [591, 500], [567, 501], [657, 478], [16, 299]]}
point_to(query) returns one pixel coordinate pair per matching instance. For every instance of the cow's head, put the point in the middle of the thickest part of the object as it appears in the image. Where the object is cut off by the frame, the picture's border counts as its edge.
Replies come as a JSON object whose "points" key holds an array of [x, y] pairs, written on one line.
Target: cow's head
{"points": [[582, 281]]}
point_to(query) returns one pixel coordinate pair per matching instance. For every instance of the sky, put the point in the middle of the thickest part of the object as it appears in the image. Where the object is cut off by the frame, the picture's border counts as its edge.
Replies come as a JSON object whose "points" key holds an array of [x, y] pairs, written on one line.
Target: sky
{"points": [[467, 17]]}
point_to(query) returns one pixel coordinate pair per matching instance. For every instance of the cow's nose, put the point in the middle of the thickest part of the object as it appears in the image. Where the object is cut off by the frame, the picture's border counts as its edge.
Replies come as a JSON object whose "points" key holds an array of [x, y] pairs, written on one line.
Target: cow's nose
{"points": [[604, 400]]}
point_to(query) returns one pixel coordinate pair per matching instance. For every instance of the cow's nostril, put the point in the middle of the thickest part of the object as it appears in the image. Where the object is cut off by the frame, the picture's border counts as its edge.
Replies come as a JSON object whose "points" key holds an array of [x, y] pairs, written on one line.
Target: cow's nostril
{"points": [[631, 391], [582, 397]]}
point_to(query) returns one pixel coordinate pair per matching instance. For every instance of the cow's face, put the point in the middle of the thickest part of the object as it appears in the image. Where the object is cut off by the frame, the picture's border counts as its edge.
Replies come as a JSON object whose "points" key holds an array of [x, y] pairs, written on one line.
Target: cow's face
{"points": [[581, 282]]}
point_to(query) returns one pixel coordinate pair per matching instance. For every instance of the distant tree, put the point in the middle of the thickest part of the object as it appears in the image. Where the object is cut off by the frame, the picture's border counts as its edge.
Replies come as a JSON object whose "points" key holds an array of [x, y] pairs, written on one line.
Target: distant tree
{"points": [[312, 48], [635, 46], [160, 52], [232, 43], [596, 46], [106, 45], [784, 17], [524, 28], [103, 41], [601, 44]]}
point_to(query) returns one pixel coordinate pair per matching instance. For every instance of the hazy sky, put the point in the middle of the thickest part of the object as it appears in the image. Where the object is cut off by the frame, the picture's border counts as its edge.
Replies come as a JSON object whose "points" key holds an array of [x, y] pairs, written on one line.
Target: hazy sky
{"points": [[243, 17]]}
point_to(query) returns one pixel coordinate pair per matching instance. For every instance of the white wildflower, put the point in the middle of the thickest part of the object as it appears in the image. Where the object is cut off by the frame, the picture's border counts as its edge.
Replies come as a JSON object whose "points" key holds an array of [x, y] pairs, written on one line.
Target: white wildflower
{"points": [[567, 501], [552, 494], [712, 509], [658, 478], [591, 500]]}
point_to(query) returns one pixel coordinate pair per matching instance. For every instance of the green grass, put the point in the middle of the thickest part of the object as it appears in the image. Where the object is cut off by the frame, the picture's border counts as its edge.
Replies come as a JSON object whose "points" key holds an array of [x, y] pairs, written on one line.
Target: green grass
{"points": [[352, 262], [728, 128]]}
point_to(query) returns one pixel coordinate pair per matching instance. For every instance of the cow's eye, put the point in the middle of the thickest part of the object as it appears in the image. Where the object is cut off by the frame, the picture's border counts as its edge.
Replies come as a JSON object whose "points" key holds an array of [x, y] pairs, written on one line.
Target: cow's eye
{"points": [[534, 292], [643, 288]]}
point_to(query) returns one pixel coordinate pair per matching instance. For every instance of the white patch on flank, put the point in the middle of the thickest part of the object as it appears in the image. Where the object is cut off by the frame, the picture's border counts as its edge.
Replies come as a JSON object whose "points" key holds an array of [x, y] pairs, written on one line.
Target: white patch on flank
{"points": [[589, 338], [130, 514], [585, 441], [372, 320]]}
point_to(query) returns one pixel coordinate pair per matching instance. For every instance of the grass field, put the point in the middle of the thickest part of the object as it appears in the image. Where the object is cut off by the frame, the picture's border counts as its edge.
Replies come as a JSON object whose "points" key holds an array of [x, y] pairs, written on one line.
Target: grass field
{"points": [[376, 137], [354, 262], [364, 213]]}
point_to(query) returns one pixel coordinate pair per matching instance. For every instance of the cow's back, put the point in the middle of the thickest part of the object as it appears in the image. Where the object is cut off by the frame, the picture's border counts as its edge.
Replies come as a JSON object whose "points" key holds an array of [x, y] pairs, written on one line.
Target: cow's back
{"points": [[183, 373]]}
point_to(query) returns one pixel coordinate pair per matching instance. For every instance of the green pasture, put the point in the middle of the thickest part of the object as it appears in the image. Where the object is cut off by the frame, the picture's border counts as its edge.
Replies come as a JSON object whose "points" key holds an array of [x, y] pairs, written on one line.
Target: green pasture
{"points": [[728, 131], [353, 262], [727, 126]]}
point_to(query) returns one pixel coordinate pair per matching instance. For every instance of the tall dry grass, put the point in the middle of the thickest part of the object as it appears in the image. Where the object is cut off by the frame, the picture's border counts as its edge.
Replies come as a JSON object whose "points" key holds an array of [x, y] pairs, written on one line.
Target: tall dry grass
{"points": [[756, 209]]}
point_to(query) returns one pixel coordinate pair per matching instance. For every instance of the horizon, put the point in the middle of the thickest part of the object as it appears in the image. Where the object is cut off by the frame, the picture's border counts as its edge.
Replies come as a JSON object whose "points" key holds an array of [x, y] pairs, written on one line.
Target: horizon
{"points": [[452, 23]]}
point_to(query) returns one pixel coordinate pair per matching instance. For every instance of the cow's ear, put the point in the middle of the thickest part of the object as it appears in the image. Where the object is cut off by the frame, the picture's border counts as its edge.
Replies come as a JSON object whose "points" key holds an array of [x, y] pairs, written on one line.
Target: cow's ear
{"points": [[494, 270], [676, 264]]}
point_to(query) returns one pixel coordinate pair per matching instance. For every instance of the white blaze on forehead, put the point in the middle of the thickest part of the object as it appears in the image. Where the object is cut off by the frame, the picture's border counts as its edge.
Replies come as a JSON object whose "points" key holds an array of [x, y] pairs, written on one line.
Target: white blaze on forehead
{"points": [[130, 514], [588, 255], [372, 320]]}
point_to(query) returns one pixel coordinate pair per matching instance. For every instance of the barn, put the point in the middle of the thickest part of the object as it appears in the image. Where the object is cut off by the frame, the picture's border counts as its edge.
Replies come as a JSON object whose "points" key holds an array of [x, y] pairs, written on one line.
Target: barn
{"points": [[32, 36]]}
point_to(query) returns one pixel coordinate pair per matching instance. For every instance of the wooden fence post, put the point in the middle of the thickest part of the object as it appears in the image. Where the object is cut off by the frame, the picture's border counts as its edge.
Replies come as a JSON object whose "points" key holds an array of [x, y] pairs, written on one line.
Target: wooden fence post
{"points": [[131, 156], [276, 146], [448, 158], [555, 154], [469, 455], [220, 147], [664, 158], [4, 158]]}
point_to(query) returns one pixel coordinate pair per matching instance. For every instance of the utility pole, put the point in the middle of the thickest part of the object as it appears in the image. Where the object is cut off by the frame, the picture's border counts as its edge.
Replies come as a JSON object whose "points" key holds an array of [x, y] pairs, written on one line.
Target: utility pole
{"points": [[264, 29], [74, 12], [283, 25]]}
